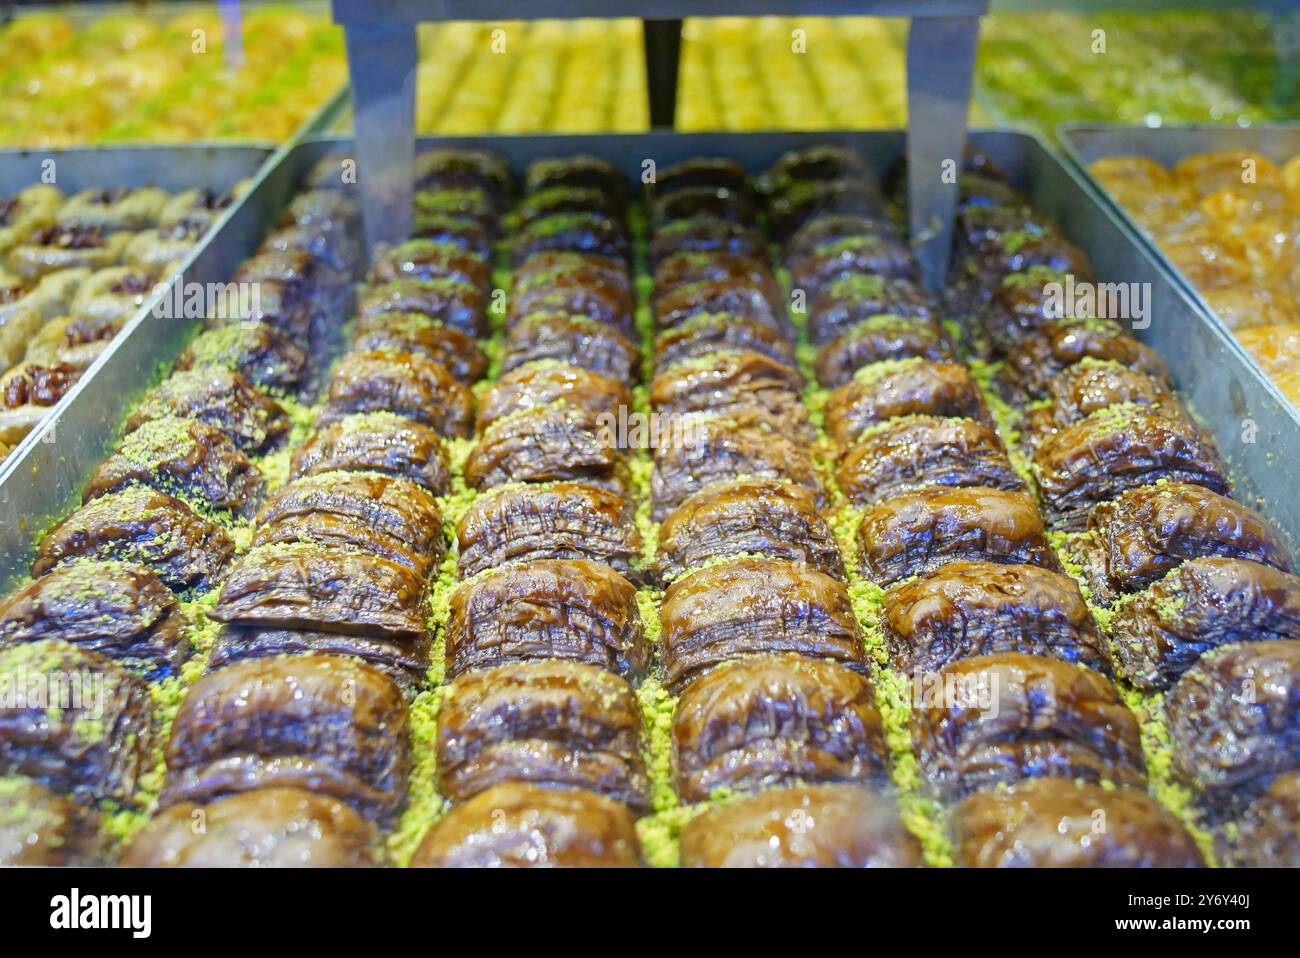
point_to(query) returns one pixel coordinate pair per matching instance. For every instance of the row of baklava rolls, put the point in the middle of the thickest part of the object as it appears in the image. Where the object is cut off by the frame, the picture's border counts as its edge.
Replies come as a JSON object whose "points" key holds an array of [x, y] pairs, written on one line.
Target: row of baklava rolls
{"points": [[539, 749], [101, 620], [980, 547], [322, 623], [73, 270], [1142, 494], [775, 712], [324, 637]]}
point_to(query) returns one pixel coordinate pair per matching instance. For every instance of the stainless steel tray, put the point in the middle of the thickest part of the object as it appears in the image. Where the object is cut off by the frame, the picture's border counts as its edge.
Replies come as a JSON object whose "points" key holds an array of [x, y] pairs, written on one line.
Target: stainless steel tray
{"points": [[40, 480], [1084, 143], [1212, 374]]}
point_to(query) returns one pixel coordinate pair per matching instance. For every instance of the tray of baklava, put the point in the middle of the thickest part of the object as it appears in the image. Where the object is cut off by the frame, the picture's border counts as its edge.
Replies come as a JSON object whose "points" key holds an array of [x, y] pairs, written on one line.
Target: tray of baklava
{"points": [[646, 509], [86, 235], [1221, 205]]}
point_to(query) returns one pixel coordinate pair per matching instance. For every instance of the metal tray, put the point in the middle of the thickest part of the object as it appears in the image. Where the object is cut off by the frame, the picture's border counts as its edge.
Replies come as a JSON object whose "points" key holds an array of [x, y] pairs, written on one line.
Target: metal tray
{"points": [[180, 167], [1210, 372], [41, 478], [1084, 143]]}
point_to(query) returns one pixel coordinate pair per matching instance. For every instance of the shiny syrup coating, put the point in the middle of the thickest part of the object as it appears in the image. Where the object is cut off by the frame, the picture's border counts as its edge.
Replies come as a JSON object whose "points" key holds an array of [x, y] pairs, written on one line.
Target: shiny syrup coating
{"points": [[328, 724], [515, 825], [807, 826]]}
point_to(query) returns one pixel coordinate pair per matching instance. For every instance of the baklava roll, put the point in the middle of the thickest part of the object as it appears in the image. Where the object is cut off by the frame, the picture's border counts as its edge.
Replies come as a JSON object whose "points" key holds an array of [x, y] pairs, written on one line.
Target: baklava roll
{"points": [[742, 384], [998, 719], [557, 200], [455, 303], [1234, 719], [120, 610], [747, 516], [1056, 823], [1135, 540], [391, 516], [186, 457], [771, 720], [877, 252], [221, 398], [26, 211], [1117, 449], [579, 170], [556, 520], [106, 300], [574, 339], [704, 234], [904, 387], [547, 381], [39, 827], [877, 339], [1090, 386], [698, 171], [752, 605], [720, 332], [408, 384], [555, 442], [913, 452], [1203, 604], [142, 525], [330, 725], [573, 233], [851, 300], [736, 297], [918, 532], [267, 828], [430, 261], [1062, 343], [563, 725], [351, 590], [262, 353], [807, 826], [459, 168], [83, 725], [978, 608], [418, 333], [1268, 833], [570, 609], [380, 442]]}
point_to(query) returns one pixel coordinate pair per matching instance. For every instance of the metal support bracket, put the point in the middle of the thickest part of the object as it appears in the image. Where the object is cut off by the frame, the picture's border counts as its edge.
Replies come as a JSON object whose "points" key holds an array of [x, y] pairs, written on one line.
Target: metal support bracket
{"points": [[382, 61], [663, 50], [940, 62]]}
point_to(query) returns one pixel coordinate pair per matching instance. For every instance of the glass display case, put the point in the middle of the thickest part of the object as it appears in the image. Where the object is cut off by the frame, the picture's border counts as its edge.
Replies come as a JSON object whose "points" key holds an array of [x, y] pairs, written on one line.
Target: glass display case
{"points": [[823, 434]]}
